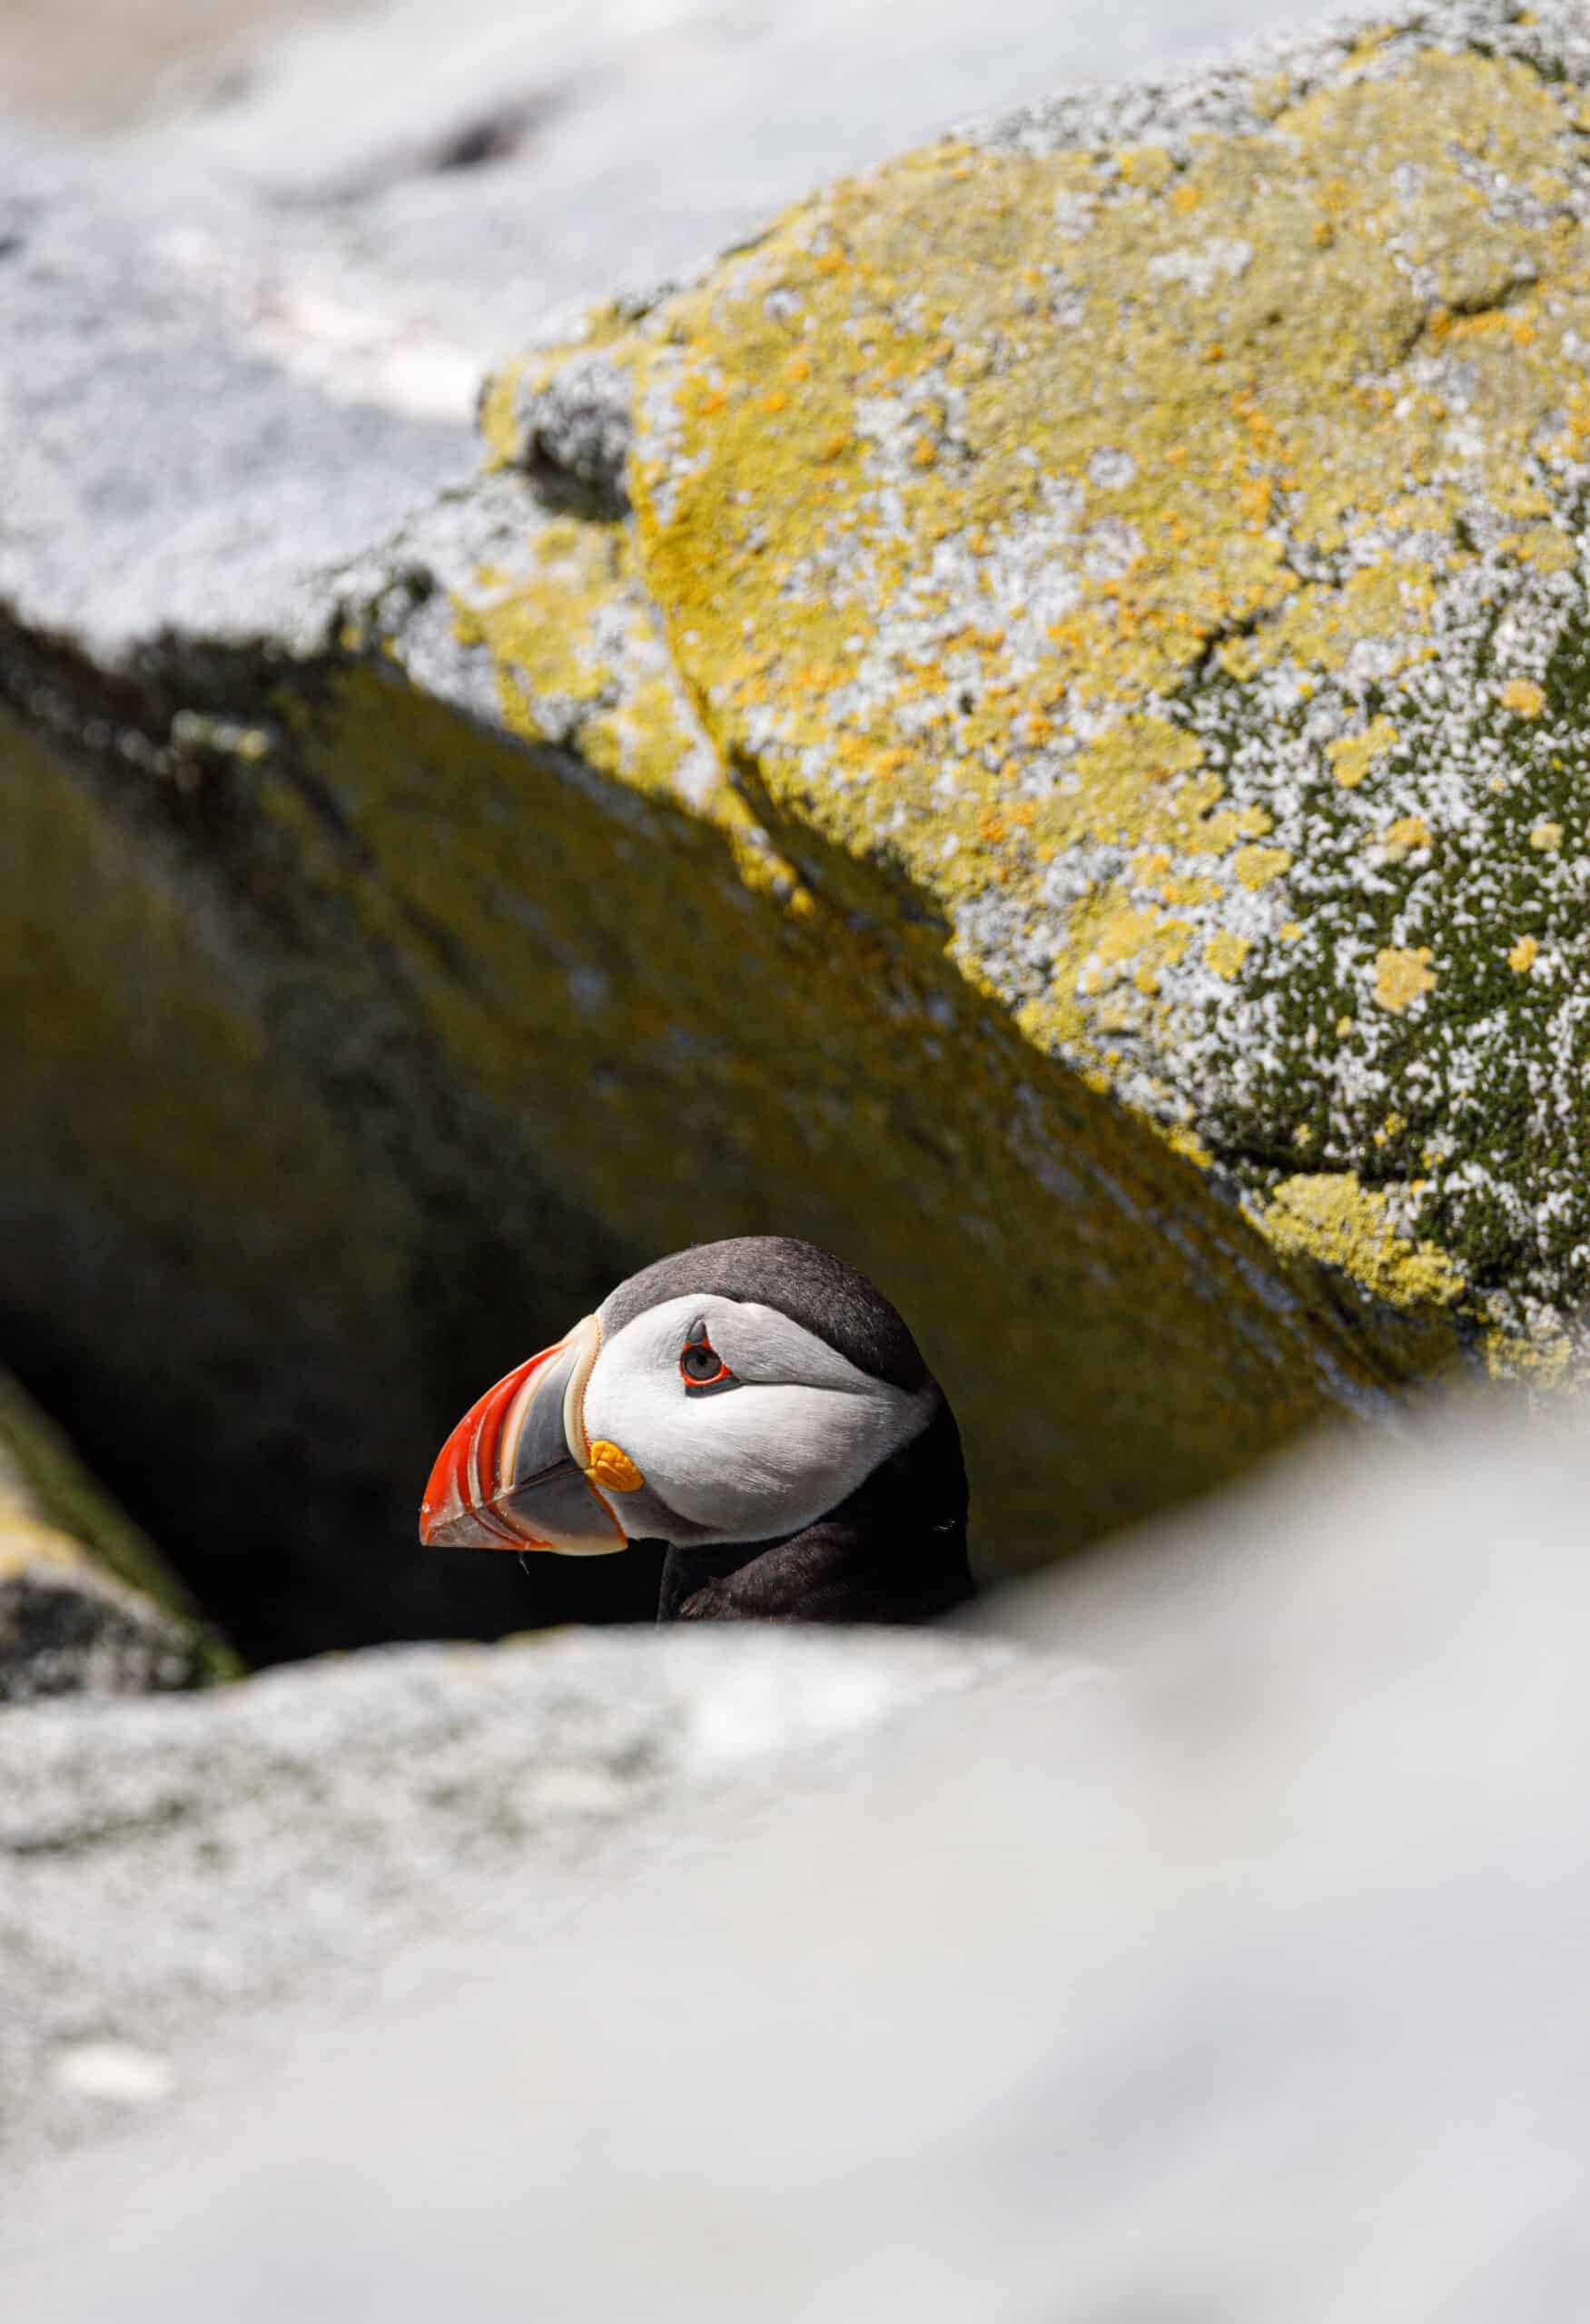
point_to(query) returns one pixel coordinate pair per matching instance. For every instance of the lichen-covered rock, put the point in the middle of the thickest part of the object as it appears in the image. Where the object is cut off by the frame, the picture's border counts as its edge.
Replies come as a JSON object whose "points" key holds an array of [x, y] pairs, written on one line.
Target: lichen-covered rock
{"points": [[1023, 725], [86, 1606], [1150, 537]]}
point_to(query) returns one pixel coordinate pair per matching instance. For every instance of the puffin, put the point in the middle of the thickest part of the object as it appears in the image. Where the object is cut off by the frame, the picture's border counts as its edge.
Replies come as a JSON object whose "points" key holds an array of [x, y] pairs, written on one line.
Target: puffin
{"points": [[755, 1406]]}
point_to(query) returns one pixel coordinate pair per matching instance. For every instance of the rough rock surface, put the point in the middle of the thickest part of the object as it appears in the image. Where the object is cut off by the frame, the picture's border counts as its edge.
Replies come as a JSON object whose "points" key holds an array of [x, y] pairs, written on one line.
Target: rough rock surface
{"points": [[86, 1605], [169, 476], [1245, 1984], [1151, 537], [1062, 785], [439, 178], [180, 1879]]}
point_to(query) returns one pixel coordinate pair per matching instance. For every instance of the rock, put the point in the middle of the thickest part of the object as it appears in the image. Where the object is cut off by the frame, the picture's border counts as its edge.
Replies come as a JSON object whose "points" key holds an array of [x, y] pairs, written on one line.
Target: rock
{"points": [[172, 479], [86, 1606], [1243, 1982], [470, 170], [433, 182], [1148, 539], [177, 1878], [1053, 791], [573, 434]]}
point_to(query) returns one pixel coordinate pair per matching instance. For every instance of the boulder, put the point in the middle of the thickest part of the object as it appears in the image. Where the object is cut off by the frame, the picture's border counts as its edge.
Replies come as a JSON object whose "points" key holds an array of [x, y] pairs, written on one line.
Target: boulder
{"points": [[180, 1879], [1141, 550], [86, 1604], [1022, 724], [1242, 1979]]}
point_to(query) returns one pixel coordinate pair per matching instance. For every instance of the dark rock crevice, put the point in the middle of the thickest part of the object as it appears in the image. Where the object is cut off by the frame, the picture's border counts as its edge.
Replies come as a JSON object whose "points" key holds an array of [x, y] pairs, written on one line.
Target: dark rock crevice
{"points": [[261, 1301]]}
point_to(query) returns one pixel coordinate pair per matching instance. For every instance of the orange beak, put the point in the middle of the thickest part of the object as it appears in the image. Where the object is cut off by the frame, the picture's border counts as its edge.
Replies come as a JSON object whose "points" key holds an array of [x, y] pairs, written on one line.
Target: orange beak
{"points": [[515, 1473]]}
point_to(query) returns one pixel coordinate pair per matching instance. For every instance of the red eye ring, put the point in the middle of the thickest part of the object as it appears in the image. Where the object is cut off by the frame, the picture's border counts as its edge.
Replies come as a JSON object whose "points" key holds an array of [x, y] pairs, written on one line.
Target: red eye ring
{"points": [[701, 1366]]}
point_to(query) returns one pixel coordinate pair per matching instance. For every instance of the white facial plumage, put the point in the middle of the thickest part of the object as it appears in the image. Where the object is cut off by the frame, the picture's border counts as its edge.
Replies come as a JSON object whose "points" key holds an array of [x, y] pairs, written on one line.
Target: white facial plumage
{"points": [[795, 1435]]}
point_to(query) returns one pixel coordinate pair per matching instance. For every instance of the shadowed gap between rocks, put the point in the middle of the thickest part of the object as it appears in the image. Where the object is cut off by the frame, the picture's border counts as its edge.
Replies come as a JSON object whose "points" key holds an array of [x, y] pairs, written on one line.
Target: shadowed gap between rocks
{"points": [[405, 1040], [256, 1256]]}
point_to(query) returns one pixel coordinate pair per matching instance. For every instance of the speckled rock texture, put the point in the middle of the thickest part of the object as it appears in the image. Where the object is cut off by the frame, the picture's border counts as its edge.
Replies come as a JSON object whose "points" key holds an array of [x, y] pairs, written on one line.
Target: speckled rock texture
{"points": [[1237, 1977], [86, 1605], [1022, 724]]}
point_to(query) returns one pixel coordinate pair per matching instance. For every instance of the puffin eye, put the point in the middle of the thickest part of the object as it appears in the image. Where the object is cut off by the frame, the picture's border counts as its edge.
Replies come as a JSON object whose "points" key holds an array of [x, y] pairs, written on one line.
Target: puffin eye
{"points": [[701, 1366]]}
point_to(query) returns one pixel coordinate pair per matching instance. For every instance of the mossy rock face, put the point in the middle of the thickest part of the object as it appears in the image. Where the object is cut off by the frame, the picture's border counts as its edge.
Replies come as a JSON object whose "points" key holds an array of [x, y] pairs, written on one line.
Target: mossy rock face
{"points": [[1024, 726], [87, 1606]]}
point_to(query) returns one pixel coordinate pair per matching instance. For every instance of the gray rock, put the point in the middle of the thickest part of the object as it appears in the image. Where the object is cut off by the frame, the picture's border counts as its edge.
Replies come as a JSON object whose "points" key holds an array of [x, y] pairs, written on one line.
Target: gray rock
{"points": [[166, 472], [575, 433], [1246, 1986], [241, 344], [113, 67], [176, 1880], [66, 1629], [479, 168]]}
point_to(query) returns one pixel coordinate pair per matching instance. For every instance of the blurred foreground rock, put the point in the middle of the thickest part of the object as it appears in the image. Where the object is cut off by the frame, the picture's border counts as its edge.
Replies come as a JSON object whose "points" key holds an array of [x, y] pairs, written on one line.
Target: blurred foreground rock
{"points": [[1026, 725], [86, 1605], [1237, 1977], [177, 1879]]}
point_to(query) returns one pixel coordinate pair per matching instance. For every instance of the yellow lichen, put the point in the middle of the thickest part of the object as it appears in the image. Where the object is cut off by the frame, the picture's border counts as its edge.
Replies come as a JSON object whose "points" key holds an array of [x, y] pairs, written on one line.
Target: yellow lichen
{"points": [[1145, 166], [1352, 755], [1402, 975], [1403, 837], [1330, 1217], [1226, 952], [1190, 1146], [1543, 1363], [1255, 867], [27, 1543]]}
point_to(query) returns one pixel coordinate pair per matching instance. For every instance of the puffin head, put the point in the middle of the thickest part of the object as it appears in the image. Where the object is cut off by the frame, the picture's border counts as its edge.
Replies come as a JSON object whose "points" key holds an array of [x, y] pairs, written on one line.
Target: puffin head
{"points": [[734, 1393]]}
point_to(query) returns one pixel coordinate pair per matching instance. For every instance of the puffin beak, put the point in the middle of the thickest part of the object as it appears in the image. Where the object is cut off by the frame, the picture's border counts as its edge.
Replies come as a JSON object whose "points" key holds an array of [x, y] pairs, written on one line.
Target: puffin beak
{"points": [[519, 1471]]}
